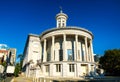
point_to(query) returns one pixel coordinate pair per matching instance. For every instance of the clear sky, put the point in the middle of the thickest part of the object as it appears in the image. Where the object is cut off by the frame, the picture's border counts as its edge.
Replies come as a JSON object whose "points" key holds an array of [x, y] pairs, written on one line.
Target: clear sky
{"points": [[18, 18]]}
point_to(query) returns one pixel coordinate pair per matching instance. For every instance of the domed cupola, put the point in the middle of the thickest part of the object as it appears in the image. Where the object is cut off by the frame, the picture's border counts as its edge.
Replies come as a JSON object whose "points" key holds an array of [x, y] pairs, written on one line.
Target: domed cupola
{"points": [[61, 19]]}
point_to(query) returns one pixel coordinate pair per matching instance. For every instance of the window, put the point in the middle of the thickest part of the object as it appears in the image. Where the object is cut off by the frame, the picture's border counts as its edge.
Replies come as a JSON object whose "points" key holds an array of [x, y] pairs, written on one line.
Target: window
{"points": [[35, 51], [59, 25], [47, 68], [63, 25], [70, 55], [60, 54], [48, 57], [71, 67], [58, 67], [83, 51], [92, 67], [54, 54]]}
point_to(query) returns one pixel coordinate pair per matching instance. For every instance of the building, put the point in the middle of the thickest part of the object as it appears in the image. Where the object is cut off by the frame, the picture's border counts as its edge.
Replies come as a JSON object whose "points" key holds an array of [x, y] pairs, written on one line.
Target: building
{"points": [[64, 51], [7, 54], [12, 56]]}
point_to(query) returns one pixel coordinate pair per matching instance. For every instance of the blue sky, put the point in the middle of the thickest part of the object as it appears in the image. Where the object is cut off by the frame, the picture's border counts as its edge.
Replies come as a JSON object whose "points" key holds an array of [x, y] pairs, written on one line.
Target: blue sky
{"points": [[18, 18]]}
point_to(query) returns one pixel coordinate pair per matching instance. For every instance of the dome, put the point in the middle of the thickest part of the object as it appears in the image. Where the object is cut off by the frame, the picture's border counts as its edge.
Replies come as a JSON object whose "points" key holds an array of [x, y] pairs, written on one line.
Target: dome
{"points": [[61, 14]]}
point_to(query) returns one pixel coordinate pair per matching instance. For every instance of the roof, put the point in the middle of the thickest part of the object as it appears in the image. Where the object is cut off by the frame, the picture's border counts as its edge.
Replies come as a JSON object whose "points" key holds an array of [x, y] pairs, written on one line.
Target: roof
{"points": [[61, 14], [33, 35], [3, 51], [68, 27]]}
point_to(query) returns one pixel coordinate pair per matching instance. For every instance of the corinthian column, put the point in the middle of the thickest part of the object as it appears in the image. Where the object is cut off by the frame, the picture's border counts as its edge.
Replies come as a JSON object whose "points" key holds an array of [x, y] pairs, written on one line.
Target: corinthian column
{"points": [[91, 47], [44, 51], [52, 48], [76, 48], [64, 48], [86, 49]]}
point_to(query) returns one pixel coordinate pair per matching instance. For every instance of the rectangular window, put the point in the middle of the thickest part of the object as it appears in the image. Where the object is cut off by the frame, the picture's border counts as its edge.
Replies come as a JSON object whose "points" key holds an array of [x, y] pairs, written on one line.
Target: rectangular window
{"points": [[79, 54], [48, 57], [59, 25], [70, 55], [47, 68], [58, 67], [82, 51], [35, 51], [54, 54], [71, 68], [60, 55], [63, 25]]}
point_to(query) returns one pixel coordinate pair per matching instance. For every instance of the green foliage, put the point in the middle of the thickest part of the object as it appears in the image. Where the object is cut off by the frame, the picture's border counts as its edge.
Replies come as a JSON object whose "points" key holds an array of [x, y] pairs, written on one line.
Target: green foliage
{"points": [[18, 66], [97, 58], [111, 62], [21, 61], [17, 69], [4, 63]]}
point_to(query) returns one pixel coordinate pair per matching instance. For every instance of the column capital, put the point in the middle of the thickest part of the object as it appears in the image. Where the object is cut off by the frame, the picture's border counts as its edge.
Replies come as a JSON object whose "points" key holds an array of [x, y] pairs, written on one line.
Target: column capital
{"points": [[85, 38], [53, 36], [76, 36], [91, 40], [64, 35], [45, 39]]}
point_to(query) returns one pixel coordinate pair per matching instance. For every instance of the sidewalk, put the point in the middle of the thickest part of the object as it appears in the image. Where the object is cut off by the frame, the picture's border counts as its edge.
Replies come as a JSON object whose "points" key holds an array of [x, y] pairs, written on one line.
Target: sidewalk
{"points": [[21, 79]]}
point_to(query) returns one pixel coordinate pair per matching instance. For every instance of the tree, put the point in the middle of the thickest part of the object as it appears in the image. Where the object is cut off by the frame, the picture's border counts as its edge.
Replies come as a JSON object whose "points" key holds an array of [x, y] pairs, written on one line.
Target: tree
{"points": [[21, 60], [97, 58], [17, 69], [18, 66], [111, 62], [4, 63]]}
